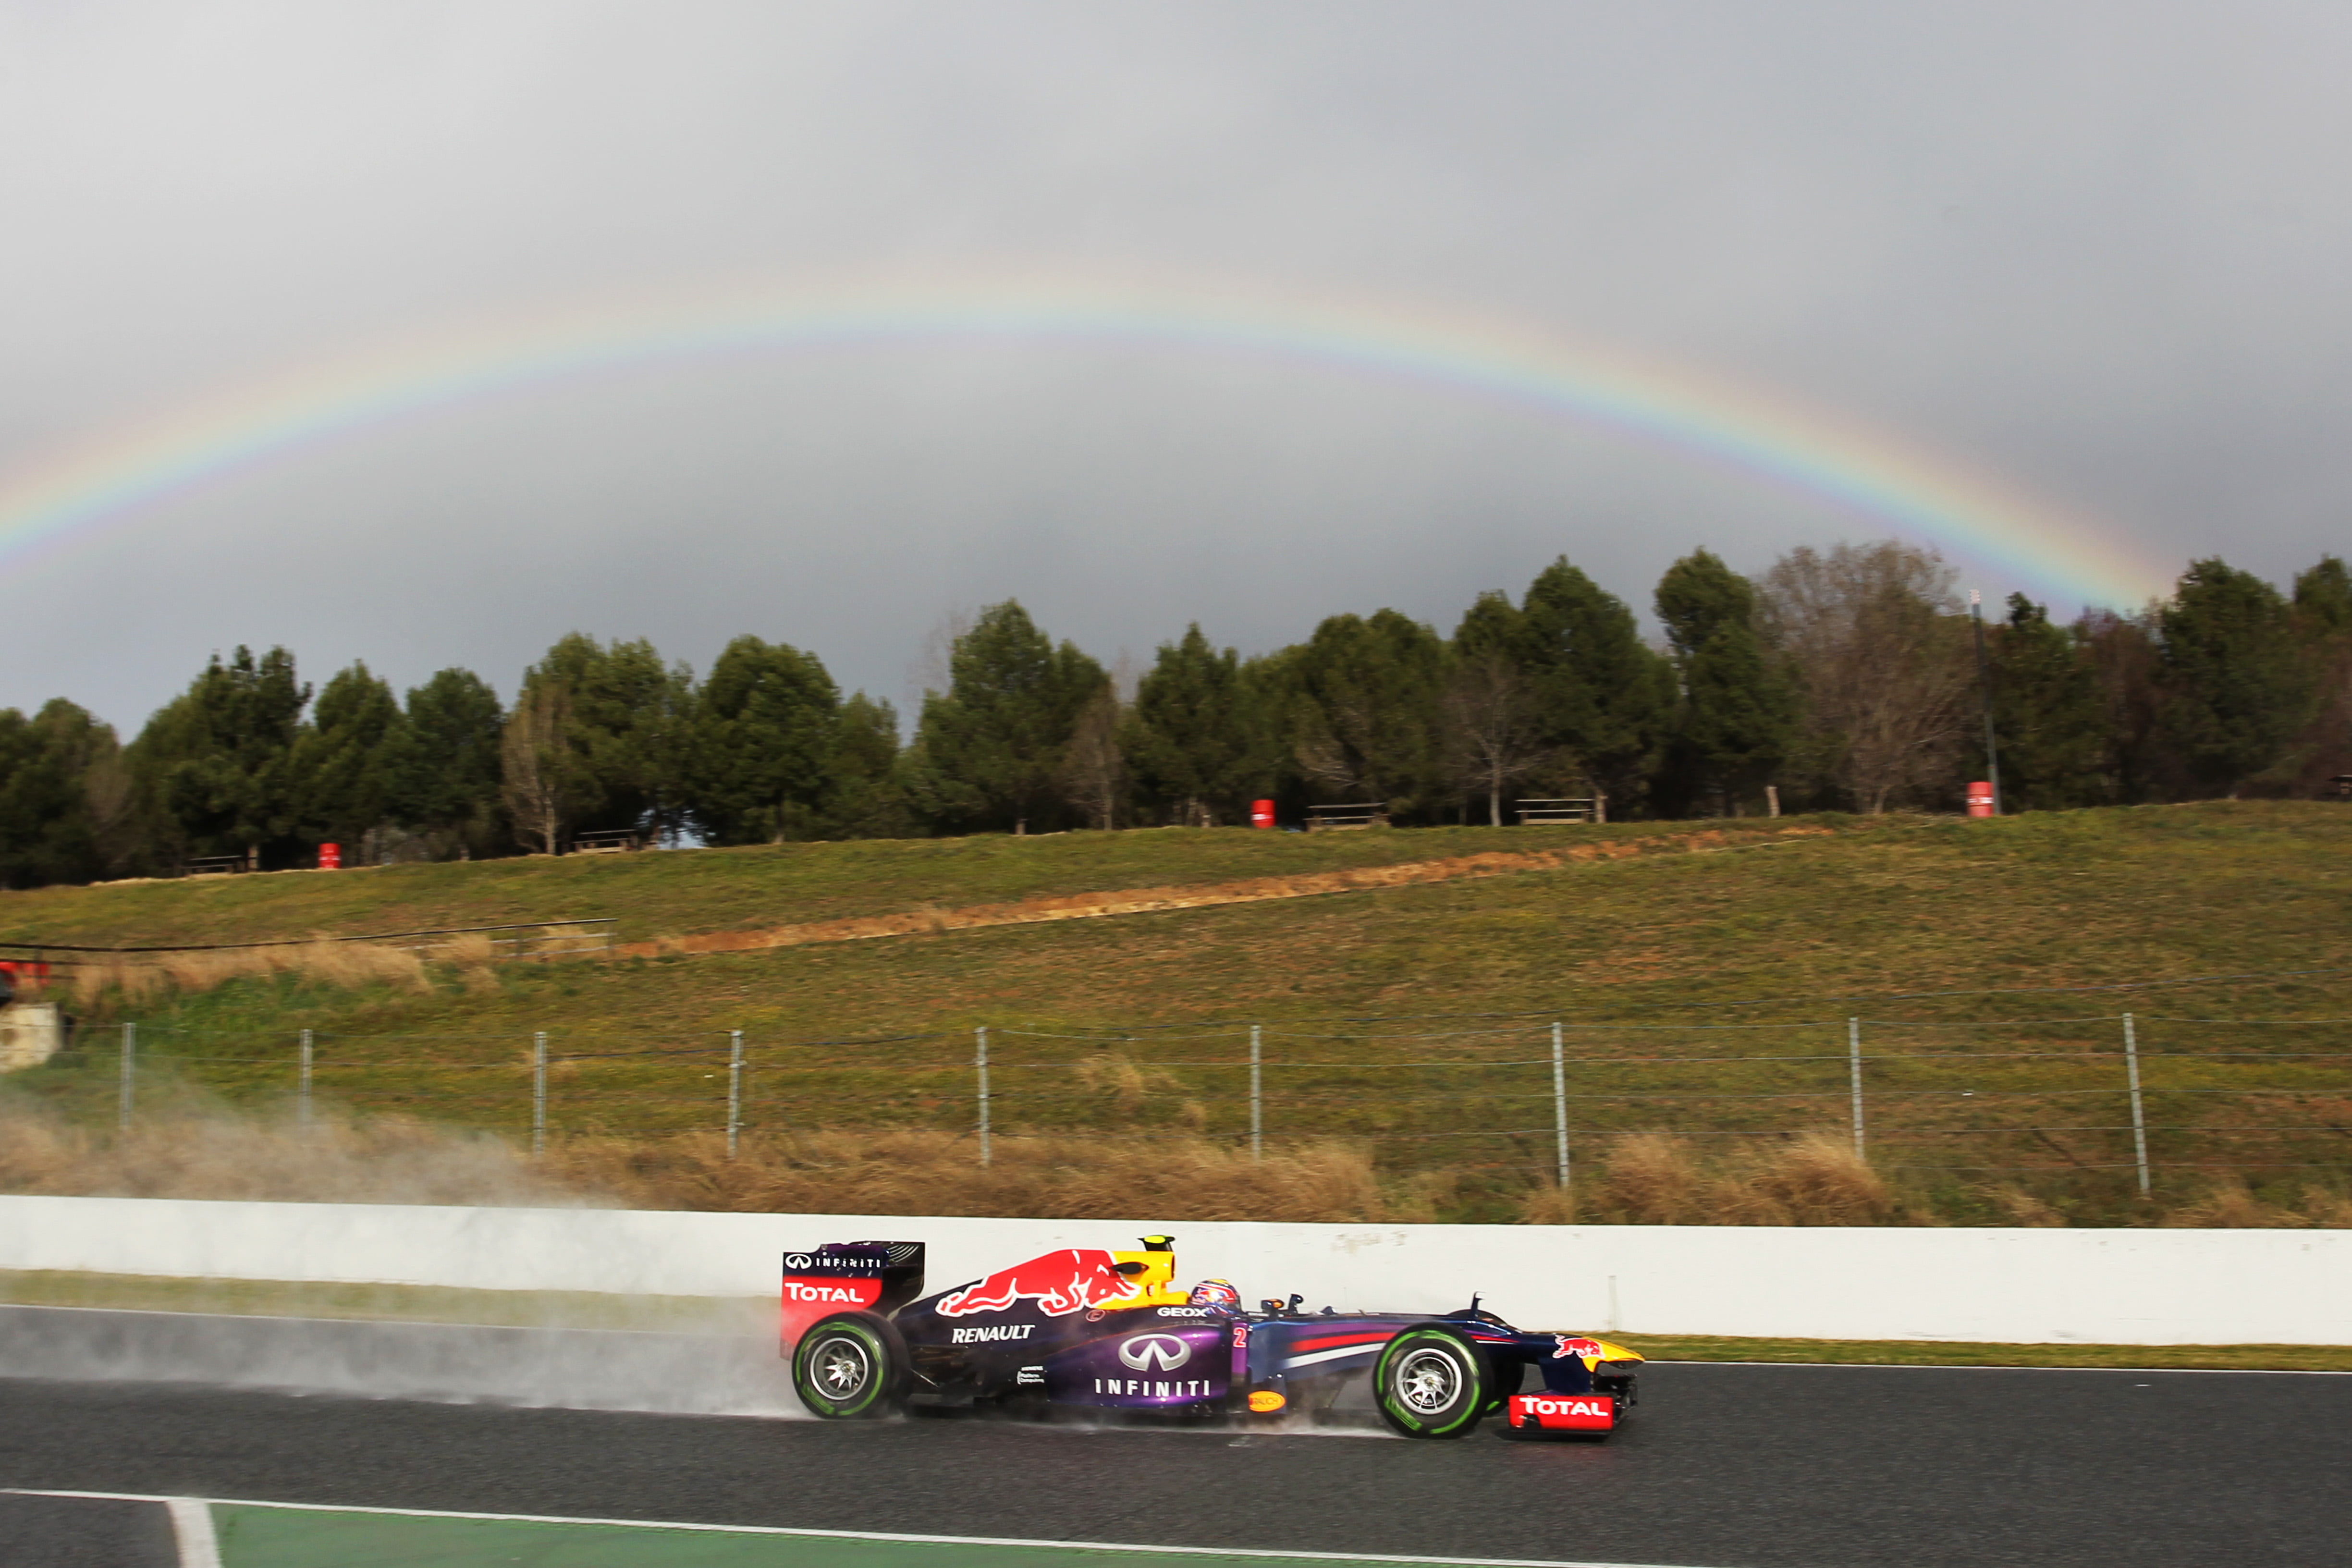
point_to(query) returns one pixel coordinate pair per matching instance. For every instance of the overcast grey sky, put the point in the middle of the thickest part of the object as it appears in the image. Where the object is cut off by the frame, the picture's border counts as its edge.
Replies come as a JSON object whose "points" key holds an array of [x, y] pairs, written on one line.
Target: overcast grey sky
{"points": [[2099, 252]]}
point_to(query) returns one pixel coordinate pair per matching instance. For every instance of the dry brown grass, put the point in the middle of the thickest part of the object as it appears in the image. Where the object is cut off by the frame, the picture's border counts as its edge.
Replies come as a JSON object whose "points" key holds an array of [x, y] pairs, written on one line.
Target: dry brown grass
{"points": [[927, 1172], [206, 1154], [344, 963], [1652, 1179], [199, 1154], [2233, 1206], [2023, 1209]]}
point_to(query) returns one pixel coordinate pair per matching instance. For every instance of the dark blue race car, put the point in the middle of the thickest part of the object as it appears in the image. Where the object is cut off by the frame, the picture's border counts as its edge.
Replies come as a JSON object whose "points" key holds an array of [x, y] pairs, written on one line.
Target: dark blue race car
{"points": [[1112, 1330]]}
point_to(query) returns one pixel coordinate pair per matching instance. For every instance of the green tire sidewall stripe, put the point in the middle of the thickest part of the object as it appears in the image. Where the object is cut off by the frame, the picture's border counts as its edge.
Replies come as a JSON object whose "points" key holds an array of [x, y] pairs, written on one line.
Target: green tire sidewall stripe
{"points": [[1473, 1405], [877, 1388]]}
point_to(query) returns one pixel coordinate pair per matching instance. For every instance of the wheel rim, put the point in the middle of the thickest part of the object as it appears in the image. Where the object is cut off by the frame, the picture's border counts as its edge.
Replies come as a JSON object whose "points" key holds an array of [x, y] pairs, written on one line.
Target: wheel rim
{"points": [[841, 1369], [1428, 1382]]}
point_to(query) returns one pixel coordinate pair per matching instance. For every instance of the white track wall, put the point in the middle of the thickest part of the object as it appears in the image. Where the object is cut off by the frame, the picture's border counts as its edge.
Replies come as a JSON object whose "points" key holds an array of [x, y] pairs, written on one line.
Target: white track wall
{"points": [[2103, 1287]]}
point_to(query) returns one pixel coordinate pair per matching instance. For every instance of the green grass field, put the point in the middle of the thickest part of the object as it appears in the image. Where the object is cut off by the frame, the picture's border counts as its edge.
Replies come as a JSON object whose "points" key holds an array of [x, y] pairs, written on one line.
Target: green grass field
{"points": [[1704, 984]]}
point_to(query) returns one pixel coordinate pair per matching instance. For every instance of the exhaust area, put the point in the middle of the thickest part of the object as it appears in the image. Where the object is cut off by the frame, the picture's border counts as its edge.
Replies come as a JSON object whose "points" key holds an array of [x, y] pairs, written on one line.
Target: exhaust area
{"points": [[578, 1369]]}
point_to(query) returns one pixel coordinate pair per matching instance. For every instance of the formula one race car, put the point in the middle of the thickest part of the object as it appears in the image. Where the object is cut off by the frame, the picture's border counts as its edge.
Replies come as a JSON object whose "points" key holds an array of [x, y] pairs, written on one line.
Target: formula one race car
{"points": [[1111, 1330]]}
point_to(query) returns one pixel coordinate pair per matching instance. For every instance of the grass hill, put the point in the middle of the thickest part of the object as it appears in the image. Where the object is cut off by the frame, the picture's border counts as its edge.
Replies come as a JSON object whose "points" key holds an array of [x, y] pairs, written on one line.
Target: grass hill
{"points": [[1405, 980]]}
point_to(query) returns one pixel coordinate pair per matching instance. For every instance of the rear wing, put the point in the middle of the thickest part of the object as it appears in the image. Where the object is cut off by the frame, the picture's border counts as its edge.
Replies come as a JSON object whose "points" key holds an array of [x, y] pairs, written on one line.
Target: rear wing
{"points": [[848, 1277]]}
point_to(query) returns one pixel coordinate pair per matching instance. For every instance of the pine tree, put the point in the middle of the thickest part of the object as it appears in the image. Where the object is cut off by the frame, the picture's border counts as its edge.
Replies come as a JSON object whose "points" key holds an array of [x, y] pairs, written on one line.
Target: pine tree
{"points": [[2048, 717], [625, 738], [1607, 698], [443, 766], [344, 760], [762, 751], [1366, 711], [214, 768], [990, 749], [866, 797], [1737, 716], [54, 770], [2322, 599], [1194, 735], [2238, 685]]}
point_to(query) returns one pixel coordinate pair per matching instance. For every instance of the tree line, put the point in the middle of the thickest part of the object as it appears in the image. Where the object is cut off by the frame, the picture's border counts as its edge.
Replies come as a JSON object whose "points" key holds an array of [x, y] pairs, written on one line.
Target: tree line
{"points": [[1838, 679]]}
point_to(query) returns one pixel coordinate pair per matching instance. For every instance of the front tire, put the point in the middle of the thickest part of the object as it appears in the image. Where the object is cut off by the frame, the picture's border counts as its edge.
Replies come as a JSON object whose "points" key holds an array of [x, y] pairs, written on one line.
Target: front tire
{"points": [[850, 1367], [1431, 1381]]}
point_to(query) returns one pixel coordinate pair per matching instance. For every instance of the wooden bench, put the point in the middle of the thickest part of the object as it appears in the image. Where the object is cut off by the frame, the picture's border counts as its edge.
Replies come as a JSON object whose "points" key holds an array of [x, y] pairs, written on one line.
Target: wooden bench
{"points": [[614, 841], [1556, 812], [1336, 818], [215, 865]]}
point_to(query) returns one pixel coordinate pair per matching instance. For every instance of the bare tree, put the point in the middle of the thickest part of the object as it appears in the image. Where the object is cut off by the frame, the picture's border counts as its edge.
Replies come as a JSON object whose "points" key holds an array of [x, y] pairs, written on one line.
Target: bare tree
{"points": [[1094, 770], [1870, 631], [535, 766], [1493, 737]]}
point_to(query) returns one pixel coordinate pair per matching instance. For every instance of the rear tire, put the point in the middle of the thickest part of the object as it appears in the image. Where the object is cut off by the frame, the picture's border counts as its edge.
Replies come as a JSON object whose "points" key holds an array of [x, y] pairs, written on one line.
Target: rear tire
{"points": [[849, 1367], [1431, 1381]]}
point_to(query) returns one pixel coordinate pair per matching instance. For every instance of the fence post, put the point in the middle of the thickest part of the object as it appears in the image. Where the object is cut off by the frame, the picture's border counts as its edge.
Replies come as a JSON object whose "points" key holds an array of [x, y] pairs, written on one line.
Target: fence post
{"points": [[2139, 1123], [1560, 1103], [734, 1086], [1854, 1060], [302, 1091], [981, 1036], [538, 1092], [130, 1054], [1258, 1117]]}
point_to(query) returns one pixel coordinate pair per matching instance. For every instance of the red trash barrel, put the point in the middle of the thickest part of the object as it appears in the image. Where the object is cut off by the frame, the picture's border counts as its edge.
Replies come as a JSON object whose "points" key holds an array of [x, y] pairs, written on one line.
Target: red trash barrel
{"points": [[331, 856], [1980, 799], [1261, 814]]}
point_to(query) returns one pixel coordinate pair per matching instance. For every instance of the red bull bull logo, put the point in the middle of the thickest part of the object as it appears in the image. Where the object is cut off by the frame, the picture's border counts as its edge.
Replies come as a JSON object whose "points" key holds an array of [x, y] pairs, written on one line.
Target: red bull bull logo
{"points": [[1061, 1282], [1573, 1345]]}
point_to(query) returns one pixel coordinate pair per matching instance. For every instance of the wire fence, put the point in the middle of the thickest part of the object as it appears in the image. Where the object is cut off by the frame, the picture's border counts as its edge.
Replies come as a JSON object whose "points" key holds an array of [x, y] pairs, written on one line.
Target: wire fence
{"points": [[2136, 1094]]}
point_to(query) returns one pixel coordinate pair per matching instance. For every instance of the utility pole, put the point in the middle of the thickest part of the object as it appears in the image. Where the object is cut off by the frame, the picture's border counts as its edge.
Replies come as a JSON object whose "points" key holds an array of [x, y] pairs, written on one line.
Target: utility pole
{"points": [[1984, 688]]}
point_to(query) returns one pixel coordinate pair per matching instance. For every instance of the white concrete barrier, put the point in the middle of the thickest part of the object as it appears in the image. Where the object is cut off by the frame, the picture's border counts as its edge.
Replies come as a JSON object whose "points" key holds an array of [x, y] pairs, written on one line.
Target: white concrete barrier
{"points": [[2099, 1287]]}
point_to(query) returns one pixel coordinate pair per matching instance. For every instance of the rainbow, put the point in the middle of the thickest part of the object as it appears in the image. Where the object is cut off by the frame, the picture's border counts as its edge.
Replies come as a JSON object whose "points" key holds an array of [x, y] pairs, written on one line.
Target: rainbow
{"points": [[78, 493]]}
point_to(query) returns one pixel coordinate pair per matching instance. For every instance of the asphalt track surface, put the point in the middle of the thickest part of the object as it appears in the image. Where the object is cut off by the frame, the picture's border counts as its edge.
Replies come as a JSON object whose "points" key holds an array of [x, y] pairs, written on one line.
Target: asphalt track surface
{"points": [[1724, 1465]]}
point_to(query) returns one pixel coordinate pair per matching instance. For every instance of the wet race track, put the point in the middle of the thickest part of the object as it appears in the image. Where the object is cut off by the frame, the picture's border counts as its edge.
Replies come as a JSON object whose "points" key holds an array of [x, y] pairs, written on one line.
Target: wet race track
{"points": [[1724, 1465]]}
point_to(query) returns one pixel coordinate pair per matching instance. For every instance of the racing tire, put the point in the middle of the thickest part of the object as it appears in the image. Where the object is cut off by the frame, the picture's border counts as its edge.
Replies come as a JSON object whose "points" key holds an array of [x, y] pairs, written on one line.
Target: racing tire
{"points": [[1431, 1381], [851, 1366]]}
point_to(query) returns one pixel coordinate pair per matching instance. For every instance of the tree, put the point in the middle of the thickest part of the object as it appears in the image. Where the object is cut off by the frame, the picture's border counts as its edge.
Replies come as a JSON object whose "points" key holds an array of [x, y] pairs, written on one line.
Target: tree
{"points": [[2322, 599], [627, 718], [867, 798], [1492, 723], [443, 765], [537, 767], [2048, 718], [1193, 733], [1876, 636], [2123, 654], [1093, 769], [59, 773], [2236, 682], [1366, 695], [990, 749], [1737, 716], [214, 767], [342, 759], [762, 751], [1606, 696]]}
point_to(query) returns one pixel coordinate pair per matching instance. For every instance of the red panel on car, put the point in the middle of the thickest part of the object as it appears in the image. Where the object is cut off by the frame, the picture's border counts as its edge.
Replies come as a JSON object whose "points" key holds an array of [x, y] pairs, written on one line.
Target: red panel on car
{"points": [[1564, 1412], [808, 1298]]}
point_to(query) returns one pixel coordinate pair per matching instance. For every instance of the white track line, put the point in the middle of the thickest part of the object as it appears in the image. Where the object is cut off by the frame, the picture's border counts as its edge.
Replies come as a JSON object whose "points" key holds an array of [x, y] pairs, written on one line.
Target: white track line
{"points": [[191, 1527], [207, 1504]]}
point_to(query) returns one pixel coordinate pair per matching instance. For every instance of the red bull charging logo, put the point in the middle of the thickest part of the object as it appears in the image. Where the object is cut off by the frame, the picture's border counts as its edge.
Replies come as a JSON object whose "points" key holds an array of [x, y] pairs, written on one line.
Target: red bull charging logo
{"points": [[1060, 1282]]}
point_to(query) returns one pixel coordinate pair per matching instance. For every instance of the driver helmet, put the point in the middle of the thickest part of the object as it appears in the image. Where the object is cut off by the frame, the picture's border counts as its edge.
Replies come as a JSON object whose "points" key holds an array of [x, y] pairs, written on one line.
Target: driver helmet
{"points": [[1215, 1293]]}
